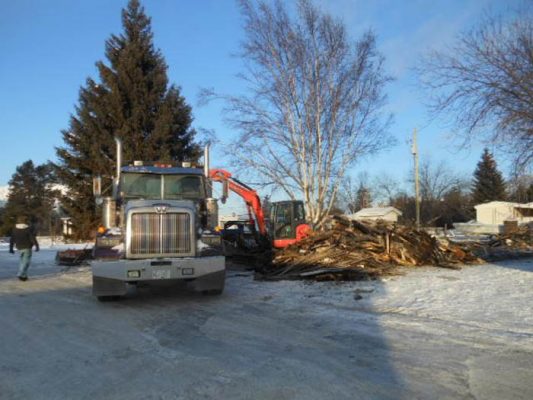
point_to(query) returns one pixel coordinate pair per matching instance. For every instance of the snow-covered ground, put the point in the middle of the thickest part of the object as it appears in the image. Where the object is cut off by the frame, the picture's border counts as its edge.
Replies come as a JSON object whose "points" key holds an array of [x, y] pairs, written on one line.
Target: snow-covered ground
{"points": [[430, 334], [43, 262]]}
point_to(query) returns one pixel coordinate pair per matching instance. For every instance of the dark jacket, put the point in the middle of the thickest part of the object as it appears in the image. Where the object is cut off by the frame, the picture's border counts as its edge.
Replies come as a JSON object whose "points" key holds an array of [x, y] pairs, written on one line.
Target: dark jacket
{"points": [[22, 236]]}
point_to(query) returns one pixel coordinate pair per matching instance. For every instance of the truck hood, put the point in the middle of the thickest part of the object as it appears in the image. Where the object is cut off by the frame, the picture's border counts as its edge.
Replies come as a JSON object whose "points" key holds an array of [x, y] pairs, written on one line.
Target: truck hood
{"points": [[132, 204]]}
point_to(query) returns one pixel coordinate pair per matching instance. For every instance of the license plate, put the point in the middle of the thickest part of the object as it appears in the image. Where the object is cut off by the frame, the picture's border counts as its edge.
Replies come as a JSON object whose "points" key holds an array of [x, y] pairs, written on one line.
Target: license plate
{"points": [[161, 274]]}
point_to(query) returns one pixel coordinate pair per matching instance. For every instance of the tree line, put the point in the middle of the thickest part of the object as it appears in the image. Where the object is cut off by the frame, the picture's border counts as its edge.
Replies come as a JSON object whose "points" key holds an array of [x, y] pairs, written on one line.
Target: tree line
{"points": [[446, 196], [315, 105]]}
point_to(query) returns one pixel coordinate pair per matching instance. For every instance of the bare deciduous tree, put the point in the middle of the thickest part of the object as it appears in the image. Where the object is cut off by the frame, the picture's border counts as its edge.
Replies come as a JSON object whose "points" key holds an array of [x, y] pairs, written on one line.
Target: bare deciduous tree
{"points": [[354, 193], [486, 82], [385, 188], [520, 188], [443, 192], [313, 103], [436, 180]]}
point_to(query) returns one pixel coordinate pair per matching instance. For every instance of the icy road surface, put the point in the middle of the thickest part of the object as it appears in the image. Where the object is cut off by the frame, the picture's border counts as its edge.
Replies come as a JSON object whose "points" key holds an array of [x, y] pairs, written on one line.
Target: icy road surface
{"points": [[431, 334]]}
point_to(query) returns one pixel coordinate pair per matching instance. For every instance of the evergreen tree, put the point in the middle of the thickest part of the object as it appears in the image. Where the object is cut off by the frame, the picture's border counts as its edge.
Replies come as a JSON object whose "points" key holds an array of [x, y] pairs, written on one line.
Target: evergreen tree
{"points": [[31, 194], [488, 181], [132, 101]]}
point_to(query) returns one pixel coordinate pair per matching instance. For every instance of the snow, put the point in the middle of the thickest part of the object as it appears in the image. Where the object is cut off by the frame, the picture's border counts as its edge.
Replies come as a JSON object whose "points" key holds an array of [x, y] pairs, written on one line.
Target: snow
{"points": [[47, 243], [114, 231], [201, 245], [430, 333], [491, 297], [119, 247]]}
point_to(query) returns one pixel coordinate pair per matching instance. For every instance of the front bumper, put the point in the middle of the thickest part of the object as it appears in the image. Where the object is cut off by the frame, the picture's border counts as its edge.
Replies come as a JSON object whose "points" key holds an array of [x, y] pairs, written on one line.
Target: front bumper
{"points": [[158, 269]]}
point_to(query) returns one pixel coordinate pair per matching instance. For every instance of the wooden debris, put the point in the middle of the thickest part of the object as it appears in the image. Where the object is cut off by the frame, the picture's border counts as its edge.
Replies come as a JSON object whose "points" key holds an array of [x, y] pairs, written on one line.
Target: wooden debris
{"points": [[520, 238], [354, 250], [510, 245]]}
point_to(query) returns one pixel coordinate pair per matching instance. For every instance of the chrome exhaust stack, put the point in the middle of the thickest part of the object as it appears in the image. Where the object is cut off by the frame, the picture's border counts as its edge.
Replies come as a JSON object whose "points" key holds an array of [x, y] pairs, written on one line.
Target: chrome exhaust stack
{"points": [[119, 166], [211, 203], [206, 172], [109, 212], [206, 160]]}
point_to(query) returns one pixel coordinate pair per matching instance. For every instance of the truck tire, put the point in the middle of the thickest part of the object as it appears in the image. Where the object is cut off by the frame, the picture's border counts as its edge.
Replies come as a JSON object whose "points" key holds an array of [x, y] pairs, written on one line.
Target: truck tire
{"points": [[213, 292], [108, 298]]}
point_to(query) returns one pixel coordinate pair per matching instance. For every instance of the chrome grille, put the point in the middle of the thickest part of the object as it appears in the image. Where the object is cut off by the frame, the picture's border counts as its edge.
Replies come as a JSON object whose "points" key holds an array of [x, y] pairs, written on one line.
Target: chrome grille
{"points": [[160, 234]]}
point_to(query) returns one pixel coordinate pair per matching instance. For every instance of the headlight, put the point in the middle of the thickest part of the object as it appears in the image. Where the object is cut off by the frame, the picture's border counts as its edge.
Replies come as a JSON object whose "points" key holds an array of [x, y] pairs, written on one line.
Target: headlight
{"points": [[134, 273]]}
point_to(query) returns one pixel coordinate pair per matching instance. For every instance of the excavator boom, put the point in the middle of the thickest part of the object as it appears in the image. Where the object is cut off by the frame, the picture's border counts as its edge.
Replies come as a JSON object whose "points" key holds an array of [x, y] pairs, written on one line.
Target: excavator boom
{"points": [[249, 195]]}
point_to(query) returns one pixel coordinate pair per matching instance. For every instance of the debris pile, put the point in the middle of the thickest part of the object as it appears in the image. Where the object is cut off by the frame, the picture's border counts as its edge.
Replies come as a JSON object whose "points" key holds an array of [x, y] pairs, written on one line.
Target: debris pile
{"points": [[353, 250], [521, 238], [516, 244]]}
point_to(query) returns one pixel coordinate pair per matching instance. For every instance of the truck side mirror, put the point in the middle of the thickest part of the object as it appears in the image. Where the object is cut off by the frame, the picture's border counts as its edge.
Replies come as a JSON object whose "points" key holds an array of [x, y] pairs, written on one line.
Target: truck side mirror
{"points": [[97, 189]]}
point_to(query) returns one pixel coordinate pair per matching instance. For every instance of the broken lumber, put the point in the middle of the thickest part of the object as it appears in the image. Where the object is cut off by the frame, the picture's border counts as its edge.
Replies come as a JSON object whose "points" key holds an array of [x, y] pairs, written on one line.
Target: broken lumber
{"points": [[354, 250]]}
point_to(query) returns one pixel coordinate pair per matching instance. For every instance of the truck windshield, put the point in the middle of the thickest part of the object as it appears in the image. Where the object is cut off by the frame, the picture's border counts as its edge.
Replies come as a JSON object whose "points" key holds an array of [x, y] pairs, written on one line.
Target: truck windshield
{"points": [[183, 187], [149, 186], [141, 186]]}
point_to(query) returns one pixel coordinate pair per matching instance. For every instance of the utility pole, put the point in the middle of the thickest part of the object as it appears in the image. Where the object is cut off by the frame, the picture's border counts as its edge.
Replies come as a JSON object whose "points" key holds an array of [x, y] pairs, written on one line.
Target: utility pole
{"points": [[414, 150]]}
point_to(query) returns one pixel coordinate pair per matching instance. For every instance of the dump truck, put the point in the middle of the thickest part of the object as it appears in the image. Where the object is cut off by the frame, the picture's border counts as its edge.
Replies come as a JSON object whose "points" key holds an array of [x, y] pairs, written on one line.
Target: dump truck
{"points": [[158, 225]]}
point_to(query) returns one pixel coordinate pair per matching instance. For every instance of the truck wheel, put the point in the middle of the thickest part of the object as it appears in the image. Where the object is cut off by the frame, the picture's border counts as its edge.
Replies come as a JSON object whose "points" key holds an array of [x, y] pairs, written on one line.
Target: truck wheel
{"points": [[107, 298], [213, 292]]}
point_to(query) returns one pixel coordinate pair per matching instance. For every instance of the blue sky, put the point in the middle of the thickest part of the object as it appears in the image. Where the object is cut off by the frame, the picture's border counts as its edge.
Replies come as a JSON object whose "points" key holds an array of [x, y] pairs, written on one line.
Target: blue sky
{"points": [[49, 48]]}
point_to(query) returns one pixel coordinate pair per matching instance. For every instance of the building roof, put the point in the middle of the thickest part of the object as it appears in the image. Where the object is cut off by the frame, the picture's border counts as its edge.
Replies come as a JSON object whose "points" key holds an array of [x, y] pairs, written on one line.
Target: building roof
{"points": [[525, 205], [376, 212], [504, 203]]}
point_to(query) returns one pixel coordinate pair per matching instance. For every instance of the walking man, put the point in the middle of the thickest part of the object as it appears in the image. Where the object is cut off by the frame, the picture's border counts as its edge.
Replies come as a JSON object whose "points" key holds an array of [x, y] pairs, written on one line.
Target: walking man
{"points": [[23, 237]]}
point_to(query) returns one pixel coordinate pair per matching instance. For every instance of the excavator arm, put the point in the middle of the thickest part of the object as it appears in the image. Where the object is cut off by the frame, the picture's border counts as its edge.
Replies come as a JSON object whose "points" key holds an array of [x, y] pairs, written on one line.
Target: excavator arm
{"points": [[249, 195]]}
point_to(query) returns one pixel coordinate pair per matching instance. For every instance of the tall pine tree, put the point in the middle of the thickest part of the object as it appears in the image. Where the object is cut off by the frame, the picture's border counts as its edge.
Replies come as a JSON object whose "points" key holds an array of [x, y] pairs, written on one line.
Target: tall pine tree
{"points": [[488, 181], [31, 194], [132, 101]]}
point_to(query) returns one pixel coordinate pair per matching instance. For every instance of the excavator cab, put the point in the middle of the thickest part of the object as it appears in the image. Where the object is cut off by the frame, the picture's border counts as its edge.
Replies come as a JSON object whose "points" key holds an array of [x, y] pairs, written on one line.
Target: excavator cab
{"points": [[287, 223]]}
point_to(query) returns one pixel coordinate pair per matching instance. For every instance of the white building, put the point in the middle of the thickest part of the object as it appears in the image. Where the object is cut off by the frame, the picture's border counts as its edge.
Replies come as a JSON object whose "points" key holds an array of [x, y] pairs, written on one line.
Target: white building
{"points": [[496, 212], [373, 213]]}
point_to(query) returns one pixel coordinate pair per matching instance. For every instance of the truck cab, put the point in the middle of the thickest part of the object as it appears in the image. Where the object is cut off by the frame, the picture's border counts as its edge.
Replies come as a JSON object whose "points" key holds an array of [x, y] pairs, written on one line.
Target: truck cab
{"points": [[159, 225]]}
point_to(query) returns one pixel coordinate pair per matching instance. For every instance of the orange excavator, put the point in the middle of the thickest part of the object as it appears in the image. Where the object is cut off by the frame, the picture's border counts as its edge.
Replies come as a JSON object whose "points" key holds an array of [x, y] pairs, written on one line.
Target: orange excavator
{"points": [[286, 223]]}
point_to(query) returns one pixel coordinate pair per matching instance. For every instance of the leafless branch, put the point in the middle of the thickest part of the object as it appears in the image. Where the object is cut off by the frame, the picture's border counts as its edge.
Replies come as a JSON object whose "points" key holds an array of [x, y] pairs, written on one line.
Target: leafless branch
{"points": [[485, 83], [314, 104]]}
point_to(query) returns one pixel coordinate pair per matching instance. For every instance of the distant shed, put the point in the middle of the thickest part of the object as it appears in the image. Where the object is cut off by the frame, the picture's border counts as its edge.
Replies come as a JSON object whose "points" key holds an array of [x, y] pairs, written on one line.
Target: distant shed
{"points": [[373, 213]]}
